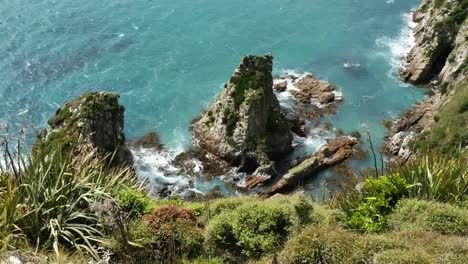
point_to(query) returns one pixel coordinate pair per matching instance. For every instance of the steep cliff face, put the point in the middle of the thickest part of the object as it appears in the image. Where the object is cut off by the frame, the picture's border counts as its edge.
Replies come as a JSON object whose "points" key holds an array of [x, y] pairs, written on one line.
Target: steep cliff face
{"points": [[245, 125], [441, 53], [440, 48], [93, 120]]}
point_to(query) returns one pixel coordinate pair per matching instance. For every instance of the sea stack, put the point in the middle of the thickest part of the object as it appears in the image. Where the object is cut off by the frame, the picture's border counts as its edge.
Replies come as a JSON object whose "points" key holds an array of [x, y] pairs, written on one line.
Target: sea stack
{"points": [[92, 121], [245, 125]]}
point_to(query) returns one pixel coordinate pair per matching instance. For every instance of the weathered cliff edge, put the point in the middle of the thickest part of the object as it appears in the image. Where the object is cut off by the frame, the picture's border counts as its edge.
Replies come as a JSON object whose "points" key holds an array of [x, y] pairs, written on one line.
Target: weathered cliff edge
{"points": [[92, 121], [439, 59], [245, 125], [440, 49]]}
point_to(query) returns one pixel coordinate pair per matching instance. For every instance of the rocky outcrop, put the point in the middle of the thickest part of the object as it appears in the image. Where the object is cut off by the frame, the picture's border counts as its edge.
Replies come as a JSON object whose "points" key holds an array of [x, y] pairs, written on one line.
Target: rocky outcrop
{"points": [[94, 120], [333, 153], [440, 42], [456, 66], [411, 123], [245, 125], [306, 88]]}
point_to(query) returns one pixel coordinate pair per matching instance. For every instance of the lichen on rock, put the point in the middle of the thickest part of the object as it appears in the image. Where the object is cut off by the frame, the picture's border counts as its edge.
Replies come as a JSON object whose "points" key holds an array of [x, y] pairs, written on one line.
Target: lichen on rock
{"points": [[245, 125], [93, 120]]}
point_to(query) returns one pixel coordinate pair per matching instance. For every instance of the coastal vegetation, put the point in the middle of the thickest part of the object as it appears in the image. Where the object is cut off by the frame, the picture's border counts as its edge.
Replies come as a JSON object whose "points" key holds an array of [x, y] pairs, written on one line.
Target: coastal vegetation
{"points": [[75, 198]]}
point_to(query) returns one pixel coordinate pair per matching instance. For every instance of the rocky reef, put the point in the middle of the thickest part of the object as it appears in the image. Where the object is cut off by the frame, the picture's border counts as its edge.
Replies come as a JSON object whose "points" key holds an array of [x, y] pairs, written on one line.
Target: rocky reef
{"points": [[332, 153], [92, 121], [440, 43], [245, 125]]}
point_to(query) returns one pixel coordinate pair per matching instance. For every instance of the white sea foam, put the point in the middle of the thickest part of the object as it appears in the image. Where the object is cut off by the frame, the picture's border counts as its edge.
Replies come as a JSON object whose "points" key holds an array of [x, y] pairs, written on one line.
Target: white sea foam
{"points": [[397, 48], [156, 167]]}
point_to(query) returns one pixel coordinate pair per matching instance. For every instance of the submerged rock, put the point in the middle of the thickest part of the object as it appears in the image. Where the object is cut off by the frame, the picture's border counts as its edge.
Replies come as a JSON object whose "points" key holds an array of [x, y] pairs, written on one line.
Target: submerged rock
{"points": [[333, 153], [93, 120], [280, 86], [245, 125], [149, 141]]}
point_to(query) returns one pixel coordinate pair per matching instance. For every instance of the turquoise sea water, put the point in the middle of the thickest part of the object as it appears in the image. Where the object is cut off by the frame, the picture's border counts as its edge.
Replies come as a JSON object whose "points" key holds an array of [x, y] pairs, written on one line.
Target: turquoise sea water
{"points": [[169, 58]]}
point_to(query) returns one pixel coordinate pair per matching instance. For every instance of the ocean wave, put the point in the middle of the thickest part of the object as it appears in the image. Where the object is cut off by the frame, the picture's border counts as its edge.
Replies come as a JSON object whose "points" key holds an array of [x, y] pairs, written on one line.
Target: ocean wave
{"points": [[397, 48]]}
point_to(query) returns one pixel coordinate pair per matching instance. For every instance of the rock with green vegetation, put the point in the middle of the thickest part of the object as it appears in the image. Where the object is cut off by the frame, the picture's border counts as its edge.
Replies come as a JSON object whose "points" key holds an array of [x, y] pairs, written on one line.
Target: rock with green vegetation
{"points": [[440, 42], [94, 120], [245, 125], [417, 129], [333, 153]]}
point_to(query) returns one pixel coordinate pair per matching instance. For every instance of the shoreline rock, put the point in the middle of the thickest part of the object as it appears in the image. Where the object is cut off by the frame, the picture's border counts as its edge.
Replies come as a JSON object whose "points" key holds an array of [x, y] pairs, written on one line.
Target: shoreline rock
{"points": [[334, 152], [440, 44], [440, 52], [94, 120]]}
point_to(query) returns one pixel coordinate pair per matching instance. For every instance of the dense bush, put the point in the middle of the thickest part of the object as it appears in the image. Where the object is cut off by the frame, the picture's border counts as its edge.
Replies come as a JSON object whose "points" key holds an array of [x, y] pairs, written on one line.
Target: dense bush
{"points": [[333, 245], [378, 199], [315, 245], [398, 256], [227, 204], [48, 198], [417, 215], [175, 233], [135, 203], [437, 177], [256, 227]]}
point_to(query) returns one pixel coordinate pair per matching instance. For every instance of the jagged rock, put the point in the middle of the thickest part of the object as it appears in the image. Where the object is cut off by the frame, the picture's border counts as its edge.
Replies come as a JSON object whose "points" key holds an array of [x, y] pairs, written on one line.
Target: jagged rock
{"points": [[253, 181], [326, 98], [333, 153], [280, 86], [456, 66], [435, 35], [212, 166], [245, 125], [411, 123], [93, 120], [309, 87], [298, 125], [150, 140]]}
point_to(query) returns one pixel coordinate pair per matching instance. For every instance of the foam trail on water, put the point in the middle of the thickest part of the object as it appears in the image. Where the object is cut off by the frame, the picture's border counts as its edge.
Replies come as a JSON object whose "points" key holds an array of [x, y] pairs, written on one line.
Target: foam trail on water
{"points": [[398, 47], [155, 166]]}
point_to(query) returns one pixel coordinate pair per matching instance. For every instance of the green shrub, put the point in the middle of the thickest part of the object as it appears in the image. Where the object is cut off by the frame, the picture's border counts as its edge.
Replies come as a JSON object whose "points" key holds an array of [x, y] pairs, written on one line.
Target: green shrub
{"points": [[324, 216], [226, 204], [175, 234], [254, 228], [333, 245], [379, 198], [418, 215], [197, 208], [398, 256], [135, 203], [436, 176], [204, 261], [316, 245]]}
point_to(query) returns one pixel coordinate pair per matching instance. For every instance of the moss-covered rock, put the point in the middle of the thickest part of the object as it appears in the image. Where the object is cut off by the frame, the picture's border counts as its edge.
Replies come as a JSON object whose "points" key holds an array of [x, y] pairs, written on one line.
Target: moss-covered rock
{"points": [[93, 120], [245, 125]]}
